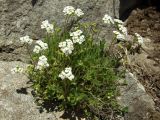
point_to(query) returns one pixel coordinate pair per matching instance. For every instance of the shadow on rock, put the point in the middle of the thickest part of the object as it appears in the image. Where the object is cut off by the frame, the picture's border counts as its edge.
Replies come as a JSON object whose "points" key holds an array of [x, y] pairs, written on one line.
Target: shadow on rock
{"points": [[22, 91], [70, 114]]}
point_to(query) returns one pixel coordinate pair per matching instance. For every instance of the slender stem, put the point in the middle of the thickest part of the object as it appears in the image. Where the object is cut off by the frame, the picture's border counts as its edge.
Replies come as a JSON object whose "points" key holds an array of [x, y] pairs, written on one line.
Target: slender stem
{"points": [[29, 54], [65, 90]]}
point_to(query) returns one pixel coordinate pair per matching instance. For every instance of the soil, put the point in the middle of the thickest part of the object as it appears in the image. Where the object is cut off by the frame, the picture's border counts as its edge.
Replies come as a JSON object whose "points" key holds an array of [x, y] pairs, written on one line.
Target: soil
{"points": [[146, 22]]}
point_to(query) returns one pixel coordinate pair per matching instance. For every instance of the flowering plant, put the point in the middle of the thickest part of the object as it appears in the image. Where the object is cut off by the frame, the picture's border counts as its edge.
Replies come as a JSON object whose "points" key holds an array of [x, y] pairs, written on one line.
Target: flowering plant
{"points": [[69, 67], [121, 45]]}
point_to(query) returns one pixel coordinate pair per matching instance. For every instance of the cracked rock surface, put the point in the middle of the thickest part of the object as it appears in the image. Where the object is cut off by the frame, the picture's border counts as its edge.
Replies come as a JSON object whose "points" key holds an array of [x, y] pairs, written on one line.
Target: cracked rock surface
{"points": [[16, 105], [21, 17]]}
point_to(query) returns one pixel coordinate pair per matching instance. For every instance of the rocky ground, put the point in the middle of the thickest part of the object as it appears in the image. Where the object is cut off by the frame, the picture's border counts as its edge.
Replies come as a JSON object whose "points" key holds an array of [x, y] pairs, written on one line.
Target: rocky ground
{"points": [[147, 23]]}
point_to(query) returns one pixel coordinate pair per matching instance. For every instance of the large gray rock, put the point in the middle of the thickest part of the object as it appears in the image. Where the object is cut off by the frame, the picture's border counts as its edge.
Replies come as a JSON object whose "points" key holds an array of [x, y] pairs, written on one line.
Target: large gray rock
{"points": [[24, 17], [21, 17], [16, 106], [140, 104]]}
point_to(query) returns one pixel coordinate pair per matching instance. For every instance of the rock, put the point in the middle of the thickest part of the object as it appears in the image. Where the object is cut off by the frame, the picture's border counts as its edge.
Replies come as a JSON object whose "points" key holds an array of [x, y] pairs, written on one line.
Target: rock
{"points": [[13, 52], [21, 17], [16, 105], [140, 104]]}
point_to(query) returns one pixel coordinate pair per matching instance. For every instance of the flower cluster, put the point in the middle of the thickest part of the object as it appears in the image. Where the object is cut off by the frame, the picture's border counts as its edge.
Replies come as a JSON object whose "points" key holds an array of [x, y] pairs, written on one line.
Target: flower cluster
{"points": [[122, 29], [66, 46], [17, 70], [42, 63], [77, 37], [67, 73], [69, 10], [108, 19], [119, 36], [46, 25], [40, 46], [26, 40], [117, 21], [139, 38], [79, 12]]}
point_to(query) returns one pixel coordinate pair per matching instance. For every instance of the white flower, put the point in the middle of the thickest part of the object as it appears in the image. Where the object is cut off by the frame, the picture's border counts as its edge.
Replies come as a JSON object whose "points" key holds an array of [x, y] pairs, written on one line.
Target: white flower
{"points": [[67, 73], [77, 37], [76, 33], [116, 32], [66, 46], [17, 70], [139, 38], [79, 12], [42, 63], [46, 25], [50, 28], [40, 46], [62, 75], [37, 49], [122, 29], [119, 36], [108, 19], [43, 45], [118, 21], [71, 77], [69, 44], [81, 39], [26, 39], [62, 44], [68, 10], [42, 58]]}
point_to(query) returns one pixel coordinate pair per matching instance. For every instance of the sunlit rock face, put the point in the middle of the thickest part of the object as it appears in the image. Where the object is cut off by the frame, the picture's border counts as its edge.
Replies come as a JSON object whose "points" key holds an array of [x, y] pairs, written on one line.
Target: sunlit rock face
{"points": [[16, 100], [21, 17]]}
